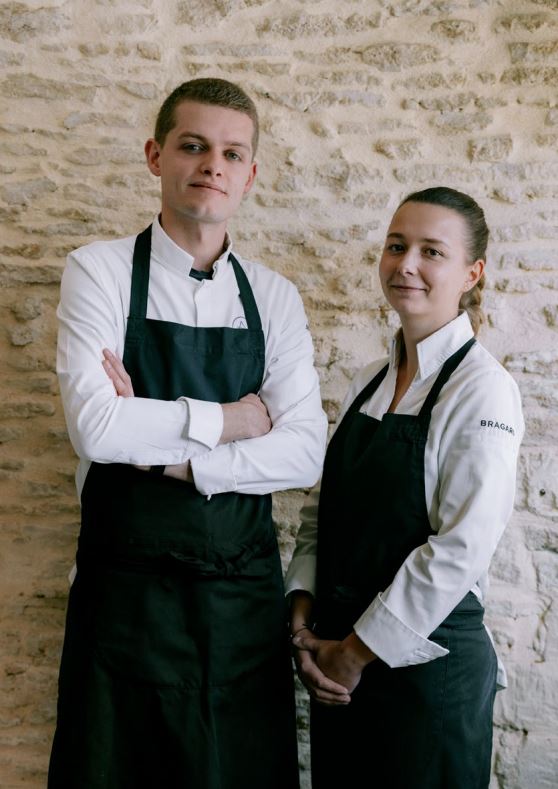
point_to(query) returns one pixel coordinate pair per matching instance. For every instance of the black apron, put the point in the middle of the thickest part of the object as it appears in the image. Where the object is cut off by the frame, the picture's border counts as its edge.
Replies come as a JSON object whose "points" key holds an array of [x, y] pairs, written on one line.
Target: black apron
{"points": [[175, 670], [426, 726]]}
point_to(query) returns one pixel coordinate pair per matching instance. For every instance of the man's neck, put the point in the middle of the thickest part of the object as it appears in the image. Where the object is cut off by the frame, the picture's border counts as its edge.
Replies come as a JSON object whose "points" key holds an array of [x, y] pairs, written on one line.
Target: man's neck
{"points": [[204, 242]]}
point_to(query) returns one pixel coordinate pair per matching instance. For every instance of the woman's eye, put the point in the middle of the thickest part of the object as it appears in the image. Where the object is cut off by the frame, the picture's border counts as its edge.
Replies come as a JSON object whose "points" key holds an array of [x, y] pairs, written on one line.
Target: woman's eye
{"points": [[395, 248], [431, 252]]}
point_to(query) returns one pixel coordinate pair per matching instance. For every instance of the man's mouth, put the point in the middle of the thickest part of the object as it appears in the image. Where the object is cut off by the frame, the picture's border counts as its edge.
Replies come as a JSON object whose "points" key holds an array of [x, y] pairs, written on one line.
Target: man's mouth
{"points": [[204, 185]]}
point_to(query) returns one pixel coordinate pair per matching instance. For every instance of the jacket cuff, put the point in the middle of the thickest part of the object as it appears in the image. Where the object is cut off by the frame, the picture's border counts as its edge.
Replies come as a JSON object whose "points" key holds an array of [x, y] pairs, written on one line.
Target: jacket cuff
{"points": [[213, 471], [205, 421], [392, 640], [301, 575]]}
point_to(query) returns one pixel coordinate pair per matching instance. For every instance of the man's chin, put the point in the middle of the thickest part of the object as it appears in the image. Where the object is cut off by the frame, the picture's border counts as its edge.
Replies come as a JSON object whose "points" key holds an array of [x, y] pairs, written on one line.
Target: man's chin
{"points": [[203, 216]]}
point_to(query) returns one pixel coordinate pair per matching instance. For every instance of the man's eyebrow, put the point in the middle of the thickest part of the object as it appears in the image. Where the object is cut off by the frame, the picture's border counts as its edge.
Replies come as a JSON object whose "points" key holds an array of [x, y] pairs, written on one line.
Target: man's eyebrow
{"points": [[228, 143]]}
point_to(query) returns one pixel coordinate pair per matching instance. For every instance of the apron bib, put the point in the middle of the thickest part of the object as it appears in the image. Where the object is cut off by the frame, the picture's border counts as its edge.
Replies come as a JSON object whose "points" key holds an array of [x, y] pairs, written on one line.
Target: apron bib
{"points": [[427, 726], [175, 670]]}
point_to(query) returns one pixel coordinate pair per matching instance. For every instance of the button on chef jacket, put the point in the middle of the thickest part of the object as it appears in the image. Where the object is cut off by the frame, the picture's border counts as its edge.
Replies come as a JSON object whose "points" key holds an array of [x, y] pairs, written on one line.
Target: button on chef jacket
{"points": [[469, 468], [93, 310]]}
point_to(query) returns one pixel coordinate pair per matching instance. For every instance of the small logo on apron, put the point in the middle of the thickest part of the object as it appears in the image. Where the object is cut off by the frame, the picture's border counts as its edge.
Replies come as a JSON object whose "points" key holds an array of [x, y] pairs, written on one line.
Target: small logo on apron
{"points": [[239, 323]]}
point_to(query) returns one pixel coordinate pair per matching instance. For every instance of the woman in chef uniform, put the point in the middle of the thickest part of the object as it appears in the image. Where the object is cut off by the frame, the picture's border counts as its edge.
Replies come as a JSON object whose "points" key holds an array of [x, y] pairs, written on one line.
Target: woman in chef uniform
{"points": [[390, 570]]}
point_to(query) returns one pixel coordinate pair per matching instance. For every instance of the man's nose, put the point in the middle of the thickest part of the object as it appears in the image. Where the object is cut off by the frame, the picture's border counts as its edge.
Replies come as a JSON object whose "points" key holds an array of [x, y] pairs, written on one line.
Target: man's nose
{"points": [[211, 163]]}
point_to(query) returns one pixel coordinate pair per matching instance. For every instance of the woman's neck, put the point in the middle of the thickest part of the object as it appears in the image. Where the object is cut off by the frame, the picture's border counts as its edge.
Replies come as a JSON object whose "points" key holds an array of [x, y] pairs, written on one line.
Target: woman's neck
{"points": [[411, 335]]}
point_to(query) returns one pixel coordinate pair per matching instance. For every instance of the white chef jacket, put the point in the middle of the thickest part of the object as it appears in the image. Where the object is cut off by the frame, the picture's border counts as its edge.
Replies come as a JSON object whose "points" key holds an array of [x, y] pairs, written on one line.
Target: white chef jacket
{"points": [[469, 469], [93, 311]]}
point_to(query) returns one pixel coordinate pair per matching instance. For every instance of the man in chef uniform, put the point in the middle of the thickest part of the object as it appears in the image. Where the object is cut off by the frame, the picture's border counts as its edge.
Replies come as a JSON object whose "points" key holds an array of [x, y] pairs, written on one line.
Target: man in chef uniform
{"points": [[190, 396]]}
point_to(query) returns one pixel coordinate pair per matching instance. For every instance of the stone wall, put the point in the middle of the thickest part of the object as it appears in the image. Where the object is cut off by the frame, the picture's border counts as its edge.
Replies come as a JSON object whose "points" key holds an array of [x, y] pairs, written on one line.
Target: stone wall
{"points": [[361, 102]]}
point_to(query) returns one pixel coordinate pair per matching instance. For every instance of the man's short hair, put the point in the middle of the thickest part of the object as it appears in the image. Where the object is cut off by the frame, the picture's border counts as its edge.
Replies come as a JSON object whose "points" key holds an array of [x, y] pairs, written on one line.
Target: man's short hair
{"points": [[206, 90]]}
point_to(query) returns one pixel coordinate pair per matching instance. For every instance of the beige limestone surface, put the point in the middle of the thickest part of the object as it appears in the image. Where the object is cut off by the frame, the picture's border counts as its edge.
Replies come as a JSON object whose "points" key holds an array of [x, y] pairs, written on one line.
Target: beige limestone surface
{"points": [[361, 102]]}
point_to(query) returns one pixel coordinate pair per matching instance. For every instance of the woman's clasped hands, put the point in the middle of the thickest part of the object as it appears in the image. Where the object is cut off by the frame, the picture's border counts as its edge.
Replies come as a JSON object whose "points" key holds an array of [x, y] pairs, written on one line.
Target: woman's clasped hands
{"points": [[330, 670]]}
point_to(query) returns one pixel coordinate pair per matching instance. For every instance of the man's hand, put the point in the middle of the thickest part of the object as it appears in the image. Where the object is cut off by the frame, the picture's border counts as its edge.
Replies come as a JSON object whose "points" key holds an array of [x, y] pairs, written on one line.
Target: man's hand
{"points": [[247, 418], [339, 662], [181, 471], [115, 370]]}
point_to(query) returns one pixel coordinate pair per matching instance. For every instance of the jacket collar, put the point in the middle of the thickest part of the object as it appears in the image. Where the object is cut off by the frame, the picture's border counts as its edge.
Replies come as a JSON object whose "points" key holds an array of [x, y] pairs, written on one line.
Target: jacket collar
{"points": [[171, 256], [436, 349]]}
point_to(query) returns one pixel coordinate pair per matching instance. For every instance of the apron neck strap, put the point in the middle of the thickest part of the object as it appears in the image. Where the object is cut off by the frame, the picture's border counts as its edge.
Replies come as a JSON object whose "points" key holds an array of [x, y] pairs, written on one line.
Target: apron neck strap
{"points": [[449, 367], [140, 283], [368, 390], [140, 274], [251, 313]]}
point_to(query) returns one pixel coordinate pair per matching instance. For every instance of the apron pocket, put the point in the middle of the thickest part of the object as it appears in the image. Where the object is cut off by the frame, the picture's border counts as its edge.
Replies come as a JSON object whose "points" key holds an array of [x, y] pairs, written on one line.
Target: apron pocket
{"points": [[140, 626]]}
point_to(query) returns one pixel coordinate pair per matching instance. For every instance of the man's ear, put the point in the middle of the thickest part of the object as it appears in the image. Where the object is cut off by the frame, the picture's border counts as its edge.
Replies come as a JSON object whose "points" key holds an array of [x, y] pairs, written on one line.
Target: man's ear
{"points": [[152, 155], [251, 177]]}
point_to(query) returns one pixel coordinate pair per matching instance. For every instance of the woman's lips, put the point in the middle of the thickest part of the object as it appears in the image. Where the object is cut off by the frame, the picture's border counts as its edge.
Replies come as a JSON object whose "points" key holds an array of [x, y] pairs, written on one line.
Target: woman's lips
{"points": [[407, 287]]}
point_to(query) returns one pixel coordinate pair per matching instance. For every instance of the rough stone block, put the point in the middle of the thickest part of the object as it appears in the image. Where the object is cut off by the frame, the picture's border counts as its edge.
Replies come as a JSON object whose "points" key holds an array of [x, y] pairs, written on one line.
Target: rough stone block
{"points": [[455, 29], [8, 434], [432, 81], [11, 58], [143, 90], [519, 23], [149, 50], [26, 409], [96, 49], [399, 149], [435, 173], [297, 26], [452, 122], [30, 251], [538, 766], [535, 75], [538, 363], [526, 53], [20, 22], [547, 140], [30, 86], [25, 192], [22, 335], [440, 103], [546, 568], [490, 149], [127, 24], [542, 492], [76, 119], [395, 57]]}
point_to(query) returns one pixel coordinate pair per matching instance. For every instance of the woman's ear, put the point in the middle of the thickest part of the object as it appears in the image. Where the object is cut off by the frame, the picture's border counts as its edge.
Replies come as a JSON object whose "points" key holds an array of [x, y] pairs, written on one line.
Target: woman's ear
{"points": [[474, 273]]}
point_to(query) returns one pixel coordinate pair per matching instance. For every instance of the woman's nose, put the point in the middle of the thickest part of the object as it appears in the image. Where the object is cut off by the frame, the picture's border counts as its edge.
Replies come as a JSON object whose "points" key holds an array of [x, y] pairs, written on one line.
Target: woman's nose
{"points": [[407, 262]]}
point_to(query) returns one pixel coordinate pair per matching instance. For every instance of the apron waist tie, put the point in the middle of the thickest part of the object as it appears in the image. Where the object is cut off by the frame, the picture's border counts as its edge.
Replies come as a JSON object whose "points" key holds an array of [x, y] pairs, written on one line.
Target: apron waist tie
{"points": [[172, 562]]}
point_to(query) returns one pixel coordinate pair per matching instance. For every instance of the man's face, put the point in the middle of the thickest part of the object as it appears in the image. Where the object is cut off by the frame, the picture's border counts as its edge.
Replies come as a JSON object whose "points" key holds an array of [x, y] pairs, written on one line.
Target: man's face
{"points": [[205, 164]]}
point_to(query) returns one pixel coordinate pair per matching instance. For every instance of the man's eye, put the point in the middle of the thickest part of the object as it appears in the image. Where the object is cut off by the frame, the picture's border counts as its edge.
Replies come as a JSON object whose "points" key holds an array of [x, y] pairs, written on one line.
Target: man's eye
{"points": [[233, 155], [192, 147], [395, 248]]}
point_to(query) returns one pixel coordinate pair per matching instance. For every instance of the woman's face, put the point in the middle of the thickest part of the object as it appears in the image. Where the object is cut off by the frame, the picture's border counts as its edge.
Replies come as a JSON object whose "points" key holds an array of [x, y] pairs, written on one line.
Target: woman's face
{"points": [[424, 268]]}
